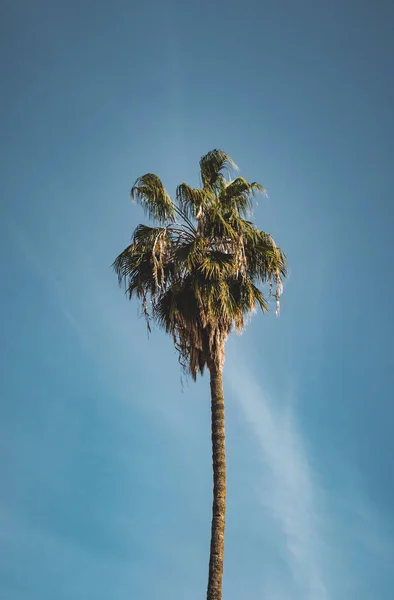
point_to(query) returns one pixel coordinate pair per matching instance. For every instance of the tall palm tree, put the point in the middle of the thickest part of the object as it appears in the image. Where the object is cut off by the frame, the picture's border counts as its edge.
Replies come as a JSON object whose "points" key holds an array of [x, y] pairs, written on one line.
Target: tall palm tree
{"points": [[198, 273]]}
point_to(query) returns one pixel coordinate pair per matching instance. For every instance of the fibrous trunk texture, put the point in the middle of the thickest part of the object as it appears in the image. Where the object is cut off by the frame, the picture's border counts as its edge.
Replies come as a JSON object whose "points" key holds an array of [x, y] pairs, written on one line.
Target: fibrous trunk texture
{"points": [[219, 485]]}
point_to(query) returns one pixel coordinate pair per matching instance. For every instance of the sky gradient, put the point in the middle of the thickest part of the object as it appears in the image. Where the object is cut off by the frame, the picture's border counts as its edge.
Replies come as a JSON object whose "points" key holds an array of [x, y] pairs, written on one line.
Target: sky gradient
{"points": [[105, 456]]}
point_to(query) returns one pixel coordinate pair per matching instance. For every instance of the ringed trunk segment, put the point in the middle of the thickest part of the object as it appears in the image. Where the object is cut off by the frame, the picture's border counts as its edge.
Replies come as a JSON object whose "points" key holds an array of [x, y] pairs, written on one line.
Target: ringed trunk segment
{"points": [[214, 591]]}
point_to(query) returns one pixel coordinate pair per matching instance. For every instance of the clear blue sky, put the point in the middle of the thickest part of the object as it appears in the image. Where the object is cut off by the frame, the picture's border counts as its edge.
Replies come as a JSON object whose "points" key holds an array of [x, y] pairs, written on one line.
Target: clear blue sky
{"points": [[105, 463]]}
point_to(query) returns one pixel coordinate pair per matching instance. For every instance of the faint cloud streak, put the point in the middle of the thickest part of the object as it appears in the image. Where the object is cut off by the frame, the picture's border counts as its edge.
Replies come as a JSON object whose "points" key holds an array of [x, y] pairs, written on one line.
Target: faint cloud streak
{"points": [[292, 493]]}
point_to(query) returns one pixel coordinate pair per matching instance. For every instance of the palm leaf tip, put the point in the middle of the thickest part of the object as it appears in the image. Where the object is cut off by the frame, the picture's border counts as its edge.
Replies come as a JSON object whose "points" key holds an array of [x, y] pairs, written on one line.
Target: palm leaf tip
{"points": [[238, 195], [212, 166], [149, 192]]}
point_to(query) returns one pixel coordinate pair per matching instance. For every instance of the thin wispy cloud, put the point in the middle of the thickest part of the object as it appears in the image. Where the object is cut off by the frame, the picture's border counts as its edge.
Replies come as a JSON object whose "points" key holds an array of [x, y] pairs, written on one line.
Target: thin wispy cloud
{"points": [[323, 536], [291, 494]]}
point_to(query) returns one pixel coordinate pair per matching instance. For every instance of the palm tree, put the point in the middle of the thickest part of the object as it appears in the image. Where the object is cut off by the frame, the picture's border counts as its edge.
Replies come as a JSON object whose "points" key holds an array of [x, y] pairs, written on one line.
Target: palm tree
{"points": [[198, 273]]}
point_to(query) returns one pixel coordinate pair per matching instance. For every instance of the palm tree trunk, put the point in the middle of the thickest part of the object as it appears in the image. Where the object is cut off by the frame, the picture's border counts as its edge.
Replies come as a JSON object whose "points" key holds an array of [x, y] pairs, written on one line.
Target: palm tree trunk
{"points": [[219, 485]]}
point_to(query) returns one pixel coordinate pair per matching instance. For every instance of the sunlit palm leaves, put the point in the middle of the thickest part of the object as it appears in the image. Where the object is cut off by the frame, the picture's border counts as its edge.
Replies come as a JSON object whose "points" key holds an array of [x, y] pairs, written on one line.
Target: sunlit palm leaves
{"points": [[212, 168], [149, 191], [237, 196], [198, 272], [191, 200]]}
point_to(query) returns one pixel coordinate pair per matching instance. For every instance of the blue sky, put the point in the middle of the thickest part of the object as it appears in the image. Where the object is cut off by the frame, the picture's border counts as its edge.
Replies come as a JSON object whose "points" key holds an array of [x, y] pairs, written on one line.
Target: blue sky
{"points": [[105, 468]]}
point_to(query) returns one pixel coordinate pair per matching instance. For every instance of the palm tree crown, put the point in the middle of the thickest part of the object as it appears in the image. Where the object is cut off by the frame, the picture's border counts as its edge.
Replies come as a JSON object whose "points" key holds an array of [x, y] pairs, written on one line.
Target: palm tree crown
{"points": [[200, 269]]}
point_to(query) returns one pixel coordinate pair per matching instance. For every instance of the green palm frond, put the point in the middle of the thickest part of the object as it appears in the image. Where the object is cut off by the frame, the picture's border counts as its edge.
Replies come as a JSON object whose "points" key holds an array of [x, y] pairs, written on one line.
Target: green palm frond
{"points": [[145, 235], [135, 270], [260, 298], [264, 257], [212, 168], [219, 227], [149, 191], [216, 265], [238, 195], [146, 264], [191, 200]]}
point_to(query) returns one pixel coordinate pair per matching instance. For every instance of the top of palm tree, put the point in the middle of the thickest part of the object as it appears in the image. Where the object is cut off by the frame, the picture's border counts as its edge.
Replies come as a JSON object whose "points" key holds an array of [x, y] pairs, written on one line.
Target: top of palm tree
{"points": [[199, 268]]}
